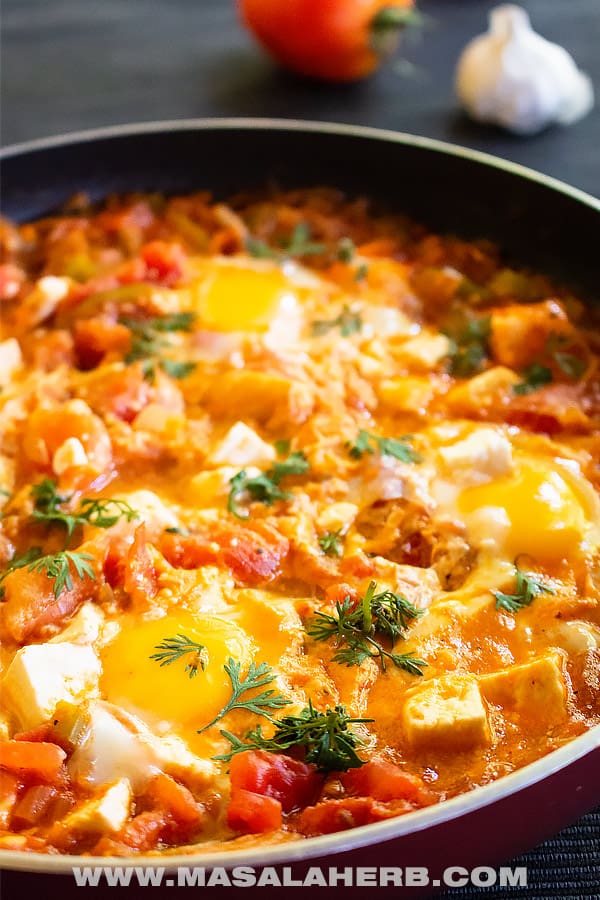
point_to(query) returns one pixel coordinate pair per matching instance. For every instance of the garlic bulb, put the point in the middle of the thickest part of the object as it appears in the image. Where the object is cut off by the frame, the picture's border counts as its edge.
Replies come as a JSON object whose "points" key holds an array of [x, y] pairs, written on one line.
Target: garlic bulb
{"points": [[513, 77]]}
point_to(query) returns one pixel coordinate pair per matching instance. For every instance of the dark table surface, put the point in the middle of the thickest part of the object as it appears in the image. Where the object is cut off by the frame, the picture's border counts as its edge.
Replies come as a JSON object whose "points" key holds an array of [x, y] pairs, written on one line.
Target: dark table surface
{"points": [[74, 64]]}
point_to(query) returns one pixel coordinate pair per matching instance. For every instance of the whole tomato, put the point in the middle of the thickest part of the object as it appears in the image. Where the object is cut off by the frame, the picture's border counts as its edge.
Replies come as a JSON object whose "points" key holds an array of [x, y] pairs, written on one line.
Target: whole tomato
{"points": [[336, 40]]}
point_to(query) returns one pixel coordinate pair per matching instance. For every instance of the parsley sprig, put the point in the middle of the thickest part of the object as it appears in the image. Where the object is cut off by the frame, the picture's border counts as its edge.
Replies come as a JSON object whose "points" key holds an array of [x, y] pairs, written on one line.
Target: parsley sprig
{"points": [[348, 321], [527, 588], [147, 344], [299, 243], [264, 488], [330, 543], [48, 510], [534, 378], [56, 566], [172, 649], [367, 443], [470, 348], [356, 627], [100, 512], [256, 677], [326, 737]]}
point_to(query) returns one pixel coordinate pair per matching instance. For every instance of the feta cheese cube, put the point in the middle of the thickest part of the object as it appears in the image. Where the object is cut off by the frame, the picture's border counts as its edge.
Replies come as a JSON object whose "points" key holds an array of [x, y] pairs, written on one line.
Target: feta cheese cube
{"points": [[424, 351], [446, 712], [41, 675], [70, 453], [83, 628], [11, 360], [107, 812], [535, 690], [242, 446], [112, 750], [150, 510], [483, 455], [44, 298]]}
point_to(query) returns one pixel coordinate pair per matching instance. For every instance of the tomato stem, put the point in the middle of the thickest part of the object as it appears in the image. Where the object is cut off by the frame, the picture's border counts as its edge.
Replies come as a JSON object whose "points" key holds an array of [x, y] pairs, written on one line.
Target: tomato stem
{"points": [[387, 24]]}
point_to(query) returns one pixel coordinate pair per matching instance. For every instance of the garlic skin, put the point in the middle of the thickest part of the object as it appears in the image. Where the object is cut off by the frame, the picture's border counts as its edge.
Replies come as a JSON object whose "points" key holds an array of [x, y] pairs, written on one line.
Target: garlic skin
{"points": [[515, 78]]}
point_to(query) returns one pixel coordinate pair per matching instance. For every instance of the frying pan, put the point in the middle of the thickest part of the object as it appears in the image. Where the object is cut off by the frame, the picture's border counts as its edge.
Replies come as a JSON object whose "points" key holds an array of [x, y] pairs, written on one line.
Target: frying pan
{"points": [[538, 222]]}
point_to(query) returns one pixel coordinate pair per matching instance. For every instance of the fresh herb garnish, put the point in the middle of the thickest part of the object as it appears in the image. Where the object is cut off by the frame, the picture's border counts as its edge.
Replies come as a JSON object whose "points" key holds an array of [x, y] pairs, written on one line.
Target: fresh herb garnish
{"points": [[326, 738], [470, 349], [298, 244], [177, 369], [330, 543], [534, 378], [177, 529], [367, 443], [56, 566], [100, 512], [361, 272], [570, 364], [147, 344], [346, 249], [355, 627], [256, 677], [527, 588], [282, 447], [348, 322], [172, 649], [264, 488]]}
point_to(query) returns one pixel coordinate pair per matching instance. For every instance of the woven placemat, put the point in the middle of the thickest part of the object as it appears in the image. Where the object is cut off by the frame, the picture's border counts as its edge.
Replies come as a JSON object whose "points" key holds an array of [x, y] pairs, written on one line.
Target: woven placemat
{"points": [[567, 865]]}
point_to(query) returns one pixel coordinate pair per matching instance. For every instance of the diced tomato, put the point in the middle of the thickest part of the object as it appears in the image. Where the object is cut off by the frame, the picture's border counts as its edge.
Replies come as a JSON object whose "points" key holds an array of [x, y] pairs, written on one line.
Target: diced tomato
{"points": [[123, 392], [132, 271], [140, 576], [49, 350], [40, 734], [32, 759], [33, 805], [541, 423], [188, 551], [382, 781], [11, 281], [165, 262], [350, 812], [9, 787], [168, 796], [253, 813], [357, 566], [47, 428], [144, 831], [30, 605], [132, 216], [253, 553], [96, 337], [337, 593], [294, 784]]}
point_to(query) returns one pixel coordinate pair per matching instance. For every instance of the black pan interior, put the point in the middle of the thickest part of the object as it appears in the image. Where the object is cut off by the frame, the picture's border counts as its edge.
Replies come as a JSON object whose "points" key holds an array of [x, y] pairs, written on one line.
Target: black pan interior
{"points": [[535, 224]]}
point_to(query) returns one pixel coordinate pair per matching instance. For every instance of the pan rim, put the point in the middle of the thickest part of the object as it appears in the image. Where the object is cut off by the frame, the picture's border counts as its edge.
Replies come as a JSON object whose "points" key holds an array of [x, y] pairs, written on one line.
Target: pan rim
{"points": [[298, 125], [301, 850]]}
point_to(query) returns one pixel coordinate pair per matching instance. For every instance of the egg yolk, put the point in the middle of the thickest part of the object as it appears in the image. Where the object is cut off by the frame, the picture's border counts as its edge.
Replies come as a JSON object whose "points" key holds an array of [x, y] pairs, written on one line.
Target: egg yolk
{"points": [[165, 696], [546, 517], [230, 297], [167, 693]]}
